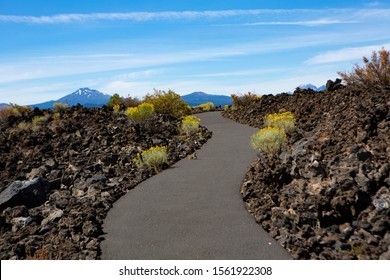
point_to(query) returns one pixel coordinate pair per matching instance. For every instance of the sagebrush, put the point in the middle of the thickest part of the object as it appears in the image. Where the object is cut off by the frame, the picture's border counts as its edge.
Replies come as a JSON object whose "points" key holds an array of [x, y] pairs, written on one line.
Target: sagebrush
{"points": [[168, 103], [154, 157], [284, 121], [140, 113], [242, 101], [206, 106], [190, 125], [375, 72], [269, 140]]}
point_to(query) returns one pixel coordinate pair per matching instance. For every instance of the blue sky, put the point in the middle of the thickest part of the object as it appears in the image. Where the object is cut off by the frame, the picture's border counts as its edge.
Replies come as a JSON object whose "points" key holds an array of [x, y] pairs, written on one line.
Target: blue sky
{"points": [[52, 48]]}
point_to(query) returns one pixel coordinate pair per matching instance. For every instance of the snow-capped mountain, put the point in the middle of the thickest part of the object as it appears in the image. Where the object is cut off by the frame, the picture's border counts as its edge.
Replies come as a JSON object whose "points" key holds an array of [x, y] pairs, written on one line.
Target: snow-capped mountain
{"points": [[84, 96], [309, 86]]}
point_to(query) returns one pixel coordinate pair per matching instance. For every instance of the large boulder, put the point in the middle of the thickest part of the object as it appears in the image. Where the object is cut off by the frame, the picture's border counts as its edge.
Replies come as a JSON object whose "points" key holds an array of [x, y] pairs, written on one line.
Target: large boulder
{"points": [[30, 193]]}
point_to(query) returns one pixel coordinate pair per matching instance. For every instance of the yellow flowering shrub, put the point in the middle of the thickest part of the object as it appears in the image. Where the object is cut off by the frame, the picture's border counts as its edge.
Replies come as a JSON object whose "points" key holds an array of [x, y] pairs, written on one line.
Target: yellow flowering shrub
{"points": [[116, 108], [141, 112], [169, 103], [190, 125], [154, 157], [268, 140], [284, 121], [207, 106]]}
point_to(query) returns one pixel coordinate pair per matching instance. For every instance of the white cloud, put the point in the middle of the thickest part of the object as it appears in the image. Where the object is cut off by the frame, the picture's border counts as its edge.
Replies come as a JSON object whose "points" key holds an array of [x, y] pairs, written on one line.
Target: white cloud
{"points": [[318, 22], [338, 16], [121, 87], [194, 15], [35, 93], [140, 74], [239, 73], [66, 65], [135, 16], [31, 68], [345, 54]]}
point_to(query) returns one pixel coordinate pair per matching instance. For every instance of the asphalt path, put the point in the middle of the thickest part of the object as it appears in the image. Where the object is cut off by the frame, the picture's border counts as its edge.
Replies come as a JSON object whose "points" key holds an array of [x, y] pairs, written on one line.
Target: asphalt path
{"points": [[194, 209]]}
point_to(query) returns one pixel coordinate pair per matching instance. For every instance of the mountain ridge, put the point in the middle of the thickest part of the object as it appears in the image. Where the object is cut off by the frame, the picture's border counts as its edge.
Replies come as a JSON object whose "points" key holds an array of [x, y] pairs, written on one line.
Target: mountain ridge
{"points": [[199, 97], [84, 96]]}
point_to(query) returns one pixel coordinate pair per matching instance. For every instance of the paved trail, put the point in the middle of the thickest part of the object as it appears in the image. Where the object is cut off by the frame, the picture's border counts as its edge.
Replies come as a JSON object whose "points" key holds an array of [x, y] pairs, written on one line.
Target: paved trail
{"points": [[193, 210]]}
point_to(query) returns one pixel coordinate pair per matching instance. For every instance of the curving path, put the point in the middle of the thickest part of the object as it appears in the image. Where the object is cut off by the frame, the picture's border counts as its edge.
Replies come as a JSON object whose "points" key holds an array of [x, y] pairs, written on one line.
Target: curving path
{"points": [[193, 210]]}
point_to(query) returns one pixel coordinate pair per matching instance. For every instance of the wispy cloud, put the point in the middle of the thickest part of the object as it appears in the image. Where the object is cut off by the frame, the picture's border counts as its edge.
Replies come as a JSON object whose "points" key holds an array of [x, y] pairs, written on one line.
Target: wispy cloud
{"points": [[134, 16], [140, 74], [194, 15], [318, 22], [71, 65], [345, 54], [372, 4], [238, 73]]}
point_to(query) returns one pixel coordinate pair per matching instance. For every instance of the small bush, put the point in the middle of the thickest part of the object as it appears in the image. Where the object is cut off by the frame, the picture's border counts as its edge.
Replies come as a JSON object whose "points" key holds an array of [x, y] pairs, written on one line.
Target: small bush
{"points": [[115, 100], [268, 140], [168, 103], [7, 112], [241, 101], [141, 112], [60, 107], [116, 108], [284, 121], [24, 126], [190, 125], [375, 73], [131, 102], [207, 106], [37, 121], [13, 110], [56, 117], [154, 157]]}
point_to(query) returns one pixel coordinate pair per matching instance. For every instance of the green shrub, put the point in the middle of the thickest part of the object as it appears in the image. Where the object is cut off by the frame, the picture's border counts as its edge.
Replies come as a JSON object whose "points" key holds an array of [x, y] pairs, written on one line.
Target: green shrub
{"points": [[207, 106], [375, 73], [37, 121], [60, 107], [154, 157], [284, 121], [115, 100], [190, 125], [268, 140], [168, 103], [141, 112]]}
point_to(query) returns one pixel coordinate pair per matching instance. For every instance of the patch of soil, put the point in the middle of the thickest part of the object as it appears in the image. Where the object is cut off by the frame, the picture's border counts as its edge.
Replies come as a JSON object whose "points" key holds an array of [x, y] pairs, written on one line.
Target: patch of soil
{"points": [[327, 195], [84, 160]]}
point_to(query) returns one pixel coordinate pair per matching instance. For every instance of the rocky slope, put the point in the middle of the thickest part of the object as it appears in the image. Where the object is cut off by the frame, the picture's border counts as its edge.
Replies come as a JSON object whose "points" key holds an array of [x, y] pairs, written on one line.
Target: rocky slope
{"points": [[59, 178], [327, 195]]}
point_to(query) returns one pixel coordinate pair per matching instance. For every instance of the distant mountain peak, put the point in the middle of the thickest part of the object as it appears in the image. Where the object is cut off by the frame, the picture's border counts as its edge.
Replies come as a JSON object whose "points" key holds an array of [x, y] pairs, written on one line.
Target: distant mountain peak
{"points": [[84, 96], [199, 93], [199, 97], [308, 86]]}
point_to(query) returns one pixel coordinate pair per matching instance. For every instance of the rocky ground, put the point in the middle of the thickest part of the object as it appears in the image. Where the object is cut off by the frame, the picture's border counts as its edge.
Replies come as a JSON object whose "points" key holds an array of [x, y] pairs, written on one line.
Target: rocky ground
{"points": [[327, 195], [58, 179]]}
